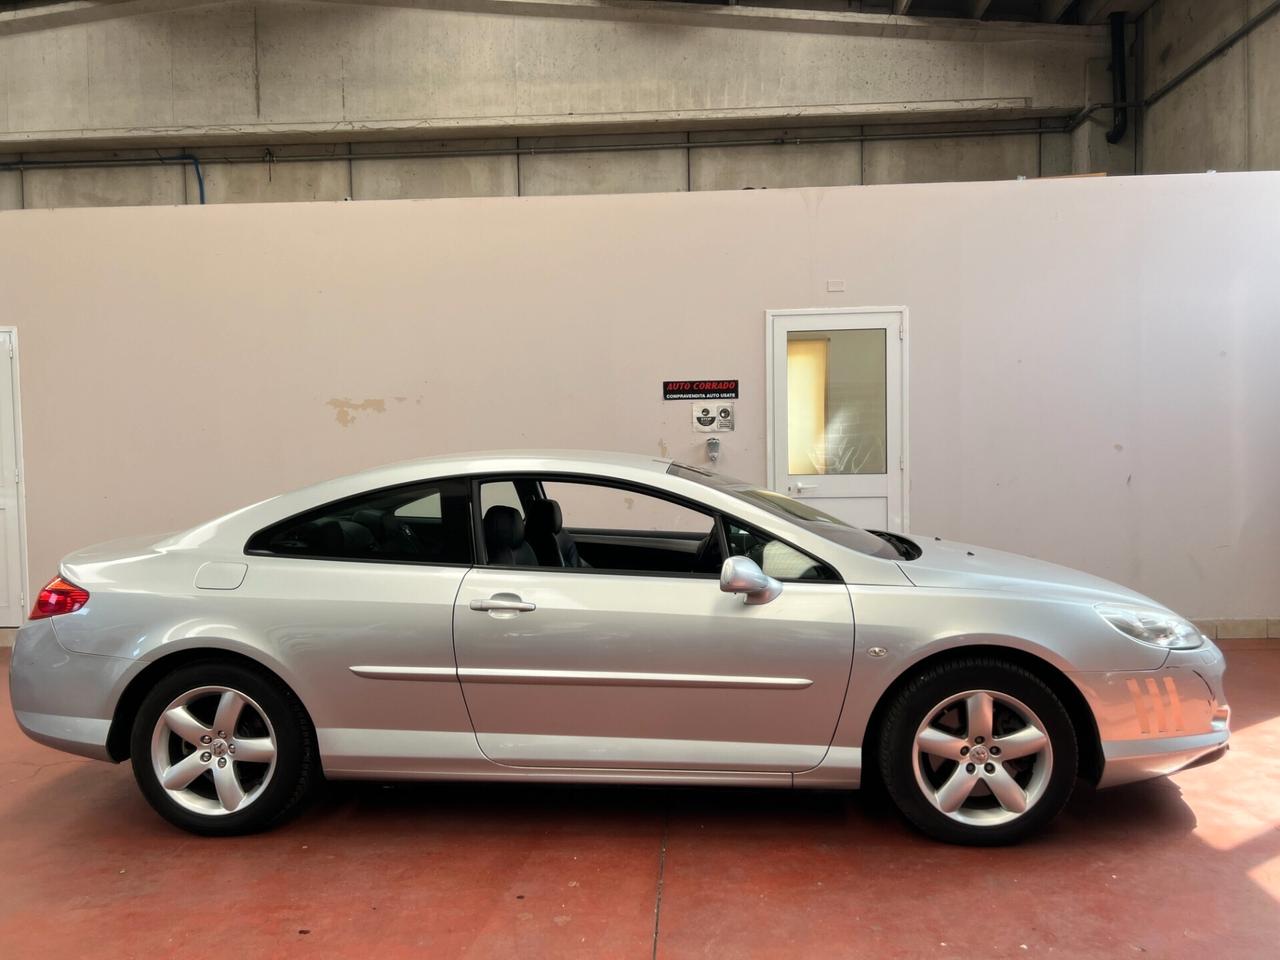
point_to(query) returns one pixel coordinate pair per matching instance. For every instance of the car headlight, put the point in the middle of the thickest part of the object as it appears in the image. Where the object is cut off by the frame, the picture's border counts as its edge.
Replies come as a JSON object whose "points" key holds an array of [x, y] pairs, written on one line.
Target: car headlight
{"points": [[1156, 627]]}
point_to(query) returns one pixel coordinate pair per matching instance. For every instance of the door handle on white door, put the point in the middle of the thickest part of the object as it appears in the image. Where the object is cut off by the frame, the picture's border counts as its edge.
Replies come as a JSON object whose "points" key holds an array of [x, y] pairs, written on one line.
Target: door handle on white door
{"points": [[503, 602], [802, 487]]}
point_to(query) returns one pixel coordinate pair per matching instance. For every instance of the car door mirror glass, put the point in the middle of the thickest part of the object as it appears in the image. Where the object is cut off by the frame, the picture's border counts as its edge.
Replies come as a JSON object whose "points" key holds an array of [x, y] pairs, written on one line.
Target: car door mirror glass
{"points": [[743, 575]]}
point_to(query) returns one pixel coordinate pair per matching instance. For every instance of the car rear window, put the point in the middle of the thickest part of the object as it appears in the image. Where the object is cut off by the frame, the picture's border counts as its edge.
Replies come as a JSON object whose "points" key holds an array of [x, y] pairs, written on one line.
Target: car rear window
{"points": [[419, 523]]}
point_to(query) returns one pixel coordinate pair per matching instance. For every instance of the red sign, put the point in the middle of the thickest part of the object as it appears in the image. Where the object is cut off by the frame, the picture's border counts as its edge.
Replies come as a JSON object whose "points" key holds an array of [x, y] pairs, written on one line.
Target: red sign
{"points": [[699, 389]]}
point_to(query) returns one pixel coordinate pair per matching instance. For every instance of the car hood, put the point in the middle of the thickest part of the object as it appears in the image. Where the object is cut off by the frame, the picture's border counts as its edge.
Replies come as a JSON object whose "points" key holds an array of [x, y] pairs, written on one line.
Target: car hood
{"points": [[945, 563]]}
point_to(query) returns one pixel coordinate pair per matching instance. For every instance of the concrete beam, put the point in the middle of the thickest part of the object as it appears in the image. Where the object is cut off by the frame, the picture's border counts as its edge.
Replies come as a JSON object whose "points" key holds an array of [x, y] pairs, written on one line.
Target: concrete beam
{"points": [[754, 18], [332, 72], [1099, 11], [48, 17], [551, 125], [1051, 11]]}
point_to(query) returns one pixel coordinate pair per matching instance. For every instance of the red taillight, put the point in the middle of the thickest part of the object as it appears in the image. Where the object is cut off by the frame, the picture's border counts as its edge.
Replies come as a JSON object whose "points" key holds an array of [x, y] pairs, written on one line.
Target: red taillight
{"points": [[58, 596]]}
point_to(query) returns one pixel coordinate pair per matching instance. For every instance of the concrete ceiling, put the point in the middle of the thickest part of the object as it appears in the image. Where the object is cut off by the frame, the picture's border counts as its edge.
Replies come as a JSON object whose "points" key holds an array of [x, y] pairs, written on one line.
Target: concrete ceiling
{"points": [[1042, 11], [903, 19], [18, 16]]}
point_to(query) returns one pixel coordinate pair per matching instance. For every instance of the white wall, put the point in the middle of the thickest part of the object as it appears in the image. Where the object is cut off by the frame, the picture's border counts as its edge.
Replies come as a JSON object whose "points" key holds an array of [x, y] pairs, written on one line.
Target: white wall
{"points": [[1092, 361]]}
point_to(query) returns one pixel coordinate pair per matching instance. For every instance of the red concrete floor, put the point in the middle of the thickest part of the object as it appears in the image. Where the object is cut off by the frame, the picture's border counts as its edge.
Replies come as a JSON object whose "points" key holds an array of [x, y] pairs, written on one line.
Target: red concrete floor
{"points": [[1187, 867]]}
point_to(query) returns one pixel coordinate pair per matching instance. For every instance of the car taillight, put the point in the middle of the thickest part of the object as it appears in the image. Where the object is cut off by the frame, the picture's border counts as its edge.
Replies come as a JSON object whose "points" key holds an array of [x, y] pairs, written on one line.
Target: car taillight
{"points": [[58, 596]]}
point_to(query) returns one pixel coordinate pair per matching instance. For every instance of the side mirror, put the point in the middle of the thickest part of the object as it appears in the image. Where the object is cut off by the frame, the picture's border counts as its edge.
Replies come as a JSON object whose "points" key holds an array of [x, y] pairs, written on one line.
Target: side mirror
{"points": [[743, 575]]}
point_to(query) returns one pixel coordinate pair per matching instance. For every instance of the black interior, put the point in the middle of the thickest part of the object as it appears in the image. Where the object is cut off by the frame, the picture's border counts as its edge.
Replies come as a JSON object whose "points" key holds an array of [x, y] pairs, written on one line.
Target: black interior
{"points": [[654, 550], [512, 541], [369, 528], [545, 532]]}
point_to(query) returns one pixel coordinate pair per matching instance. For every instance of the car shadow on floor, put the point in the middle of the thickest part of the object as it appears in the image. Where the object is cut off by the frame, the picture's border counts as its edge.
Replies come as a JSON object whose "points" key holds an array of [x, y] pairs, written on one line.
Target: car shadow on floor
{"points": [[1155, 810]]}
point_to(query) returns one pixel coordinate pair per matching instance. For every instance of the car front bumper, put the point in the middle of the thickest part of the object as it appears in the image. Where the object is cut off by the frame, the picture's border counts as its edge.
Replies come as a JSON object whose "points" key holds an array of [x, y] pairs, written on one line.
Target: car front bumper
{"points": [[62, 699], [1155, 722]]}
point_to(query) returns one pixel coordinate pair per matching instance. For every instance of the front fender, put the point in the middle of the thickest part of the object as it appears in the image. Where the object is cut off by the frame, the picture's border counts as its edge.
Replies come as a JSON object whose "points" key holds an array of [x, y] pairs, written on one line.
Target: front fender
{"points": [[906, 626]]}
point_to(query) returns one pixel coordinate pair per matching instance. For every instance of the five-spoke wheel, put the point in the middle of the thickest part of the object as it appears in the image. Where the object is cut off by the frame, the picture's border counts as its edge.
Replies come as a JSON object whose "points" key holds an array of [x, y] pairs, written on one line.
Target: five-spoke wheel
{"points": [[978, 751], [982, 757], [222, 748], [213, 750]]}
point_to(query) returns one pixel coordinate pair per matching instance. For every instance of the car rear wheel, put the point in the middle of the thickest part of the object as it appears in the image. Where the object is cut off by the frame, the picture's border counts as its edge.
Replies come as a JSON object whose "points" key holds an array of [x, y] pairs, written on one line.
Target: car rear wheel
{"points": [[978, 751], [220, 749]]}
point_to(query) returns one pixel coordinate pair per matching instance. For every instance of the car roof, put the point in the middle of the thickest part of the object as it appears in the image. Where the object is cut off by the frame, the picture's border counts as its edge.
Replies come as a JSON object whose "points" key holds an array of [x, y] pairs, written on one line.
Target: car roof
{"points": [[239, 523], [491, 460]]}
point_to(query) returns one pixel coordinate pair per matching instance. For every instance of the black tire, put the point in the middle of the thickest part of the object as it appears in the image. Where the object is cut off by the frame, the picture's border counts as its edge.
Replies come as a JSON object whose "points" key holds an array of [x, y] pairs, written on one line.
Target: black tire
{"points": [[289, 781], [911, 708]]}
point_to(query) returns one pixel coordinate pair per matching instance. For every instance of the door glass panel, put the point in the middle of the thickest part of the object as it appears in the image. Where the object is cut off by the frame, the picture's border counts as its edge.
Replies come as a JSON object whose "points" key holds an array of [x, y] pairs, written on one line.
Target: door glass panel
{"points": [[425, 508], [596, 527], [594, 507], [836, 402], [500, 493]]}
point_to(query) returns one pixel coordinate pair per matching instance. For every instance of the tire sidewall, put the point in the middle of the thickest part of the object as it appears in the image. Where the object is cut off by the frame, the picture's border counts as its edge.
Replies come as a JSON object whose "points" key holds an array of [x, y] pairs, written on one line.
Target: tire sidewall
{"points": [[292, 747], [897, 749]]}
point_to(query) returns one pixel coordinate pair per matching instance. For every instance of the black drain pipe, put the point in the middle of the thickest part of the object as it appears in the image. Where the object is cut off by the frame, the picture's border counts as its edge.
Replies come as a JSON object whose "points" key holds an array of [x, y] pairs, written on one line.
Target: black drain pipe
{"points": [[1119, 86]]}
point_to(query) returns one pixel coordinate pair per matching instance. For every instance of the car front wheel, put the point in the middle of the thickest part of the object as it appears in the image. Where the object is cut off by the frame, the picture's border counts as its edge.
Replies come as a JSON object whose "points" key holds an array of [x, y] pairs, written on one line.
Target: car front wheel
{"points": [[978, 751], [220, 749]]}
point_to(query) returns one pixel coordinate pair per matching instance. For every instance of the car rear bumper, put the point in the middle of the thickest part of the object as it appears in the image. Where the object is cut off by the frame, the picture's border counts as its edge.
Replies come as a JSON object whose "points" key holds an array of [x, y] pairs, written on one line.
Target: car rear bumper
{"points": [[63, 699], [1152, 723], [80, 735]]}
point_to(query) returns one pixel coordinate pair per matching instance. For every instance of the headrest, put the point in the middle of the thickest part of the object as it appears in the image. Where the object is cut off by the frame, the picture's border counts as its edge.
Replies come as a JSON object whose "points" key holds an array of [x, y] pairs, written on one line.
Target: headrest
{"points": [[503, 527], [545, 515]]}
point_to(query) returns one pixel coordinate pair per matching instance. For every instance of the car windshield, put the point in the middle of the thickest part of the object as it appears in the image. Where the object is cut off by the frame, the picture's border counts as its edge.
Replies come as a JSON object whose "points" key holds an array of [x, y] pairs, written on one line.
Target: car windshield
{"points": [[798, 512]]}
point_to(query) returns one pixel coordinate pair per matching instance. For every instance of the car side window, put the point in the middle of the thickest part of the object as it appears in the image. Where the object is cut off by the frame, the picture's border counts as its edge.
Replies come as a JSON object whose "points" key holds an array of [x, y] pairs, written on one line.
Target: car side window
{"points": [[775, 558], [590, 506], [500, 493], [420, 523], [424, 508], [588, 526]]}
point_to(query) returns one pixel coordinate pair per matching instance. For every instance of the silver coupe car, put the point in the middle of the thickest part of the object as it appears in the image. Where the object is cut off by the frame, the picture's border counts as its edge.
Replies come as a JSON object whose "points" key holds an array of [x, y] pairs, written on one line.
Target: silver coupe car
{"points": [[602, 618]]}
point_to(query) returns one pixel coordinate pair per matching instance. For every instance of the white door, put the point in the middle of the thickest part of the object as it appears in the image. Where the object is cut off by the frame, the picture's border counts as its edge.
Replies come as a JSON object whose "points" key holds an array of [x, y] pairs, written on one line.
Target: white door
{"points": [[12, 606], [837, 412]]}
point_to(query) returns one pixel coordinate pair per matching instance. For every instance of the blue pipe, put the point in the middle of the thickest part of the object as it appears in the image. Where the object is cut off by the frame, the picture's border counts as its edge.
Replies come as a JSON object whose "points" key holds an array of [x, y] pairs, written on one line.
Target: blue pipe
{"points": [[195, 165]]}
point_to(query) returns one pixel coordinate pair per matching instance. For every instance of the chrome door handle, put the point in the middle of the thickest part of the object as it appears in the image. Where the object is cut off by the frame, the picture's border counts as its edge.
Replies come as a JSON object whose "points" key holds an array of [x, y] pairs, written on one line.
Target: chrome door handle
{"points": [[802, 487], [502, 603]]}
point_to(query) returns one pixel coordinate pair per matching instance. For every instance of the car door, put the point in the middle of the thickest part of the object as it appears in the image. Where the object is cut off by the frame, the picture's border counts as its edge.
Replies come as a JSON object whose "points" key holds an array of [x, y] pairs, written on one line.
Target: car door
{"points": [[647, 668]]}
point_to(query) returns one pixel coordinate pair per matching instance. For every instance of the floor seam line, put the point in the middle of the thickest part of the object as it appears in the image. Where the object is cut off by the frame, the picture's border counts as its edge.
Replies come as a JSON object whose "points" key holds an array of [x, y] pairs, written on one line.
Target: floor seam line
{"points": [[662, 866]]}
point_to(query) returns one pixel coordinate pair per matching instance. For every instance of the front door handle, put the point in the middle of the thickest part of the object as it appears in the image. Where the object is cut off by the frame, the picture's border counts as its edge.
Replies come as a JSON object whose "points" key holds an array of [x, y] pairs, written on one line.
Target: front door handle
{"points": [[503, 602], [802, 487]]}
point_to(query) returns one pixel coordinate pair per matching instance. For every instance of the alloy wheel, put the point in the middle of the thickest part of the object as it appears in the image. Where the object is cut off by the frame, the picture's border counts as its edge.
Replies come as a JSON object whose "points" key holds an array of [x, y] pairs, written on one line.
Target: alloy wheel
{"points": [[982, 758], [213, 750]]}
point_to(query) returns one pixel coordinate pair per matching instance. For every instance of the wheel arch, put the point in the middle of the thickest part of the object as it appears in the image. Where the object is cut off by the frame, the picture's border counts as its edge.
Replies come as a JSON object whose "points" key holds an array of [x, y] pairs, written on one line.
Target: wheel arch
{"points": [[1082, 719], [130, 700]]}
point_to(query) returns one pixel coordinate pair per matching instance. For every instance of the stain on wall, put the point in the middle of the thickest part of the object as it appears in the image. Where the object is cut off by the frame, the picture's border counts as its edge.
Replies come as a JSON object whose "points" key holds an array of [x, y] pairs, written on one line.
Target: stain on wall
{"points": [[346, 408]]}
